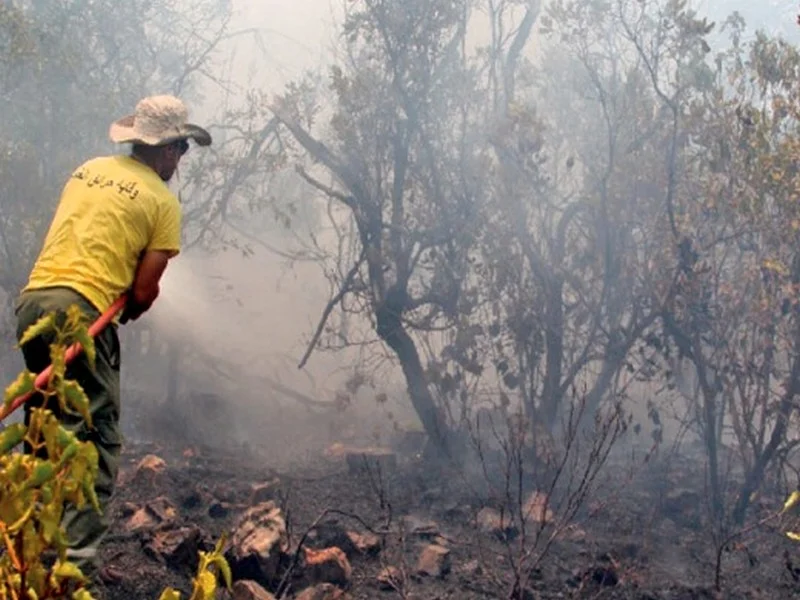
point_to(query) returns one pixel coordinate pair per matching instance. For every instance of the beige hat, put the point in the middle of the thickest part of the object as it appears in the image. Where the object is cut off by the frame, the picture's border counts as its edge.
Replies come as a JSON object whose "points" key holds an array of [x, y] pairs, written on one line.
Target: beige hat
{"points": [[157, 120]]}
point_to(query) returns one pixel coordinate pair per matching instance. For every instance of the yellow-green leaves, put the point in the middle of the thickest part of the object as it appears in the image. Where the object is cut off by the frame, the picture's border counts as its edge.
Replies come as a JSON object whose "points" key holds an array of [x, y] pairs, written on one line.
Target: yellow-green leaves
{"points": [[77, 400], [170, 594], [791, 501], [35, 489], [23, 384], [43, 326], [11, 437]]}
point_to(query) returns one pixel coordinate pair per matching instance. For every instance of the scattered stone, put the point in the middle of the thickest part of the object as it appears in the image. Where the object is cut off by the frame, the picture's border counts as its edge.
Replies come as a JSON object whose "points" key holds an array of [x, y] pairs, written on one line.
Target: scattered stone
{"points": [[367, 544], [332, 533], [418, 527], [371, 460], [434, 561], [491, 521], [329, 565], [250, 590], [265, 491], [535, 510], [258, 541], [175, 547], [390, 578], [156, 512], [323, 591], [149, 469]]}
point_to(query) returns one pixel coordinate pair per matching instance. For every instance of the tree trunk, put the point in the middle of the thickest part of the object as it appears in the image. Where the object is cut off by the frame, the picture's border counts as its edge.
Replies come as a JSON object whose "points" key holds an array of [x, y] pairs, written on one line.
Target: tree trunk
{"points": [[390, 329], [554, 344], [755, 477]]}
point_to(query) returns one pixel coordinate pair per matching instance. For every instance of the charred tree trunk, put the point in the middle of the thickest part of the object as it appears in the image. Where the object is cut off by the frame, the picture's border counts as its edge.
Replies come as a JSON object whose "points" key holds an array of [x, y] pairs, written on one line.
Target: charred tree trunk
{"points": [[554, 348], [389, 326]]}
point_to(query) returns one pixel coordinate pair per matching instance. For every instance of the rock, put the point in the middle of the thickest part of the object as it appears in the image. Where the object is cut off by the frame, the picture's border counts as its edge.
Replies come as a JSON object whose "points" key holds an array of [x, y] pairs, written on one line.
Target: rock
{"points": [[425, 529], [175, 547], [331, 532], [491, 521], [149, 470], [156, 512], [371, 460], [535, 510], [434, 561], [367, 544], [329, 565], [265, 491], [250, 590], [390, 578], [258, 541], [323, 591]]}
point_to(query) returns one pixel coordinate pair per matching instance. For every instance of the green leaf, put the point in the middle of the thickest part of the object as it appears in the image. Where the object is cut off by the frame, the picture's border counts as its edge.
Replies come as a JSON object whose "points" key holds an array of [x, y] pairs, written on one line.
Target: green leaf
{"points": [[23, 384], [78, 400], [87, 342], [42, 326], [68, 570], [225, 569], [82, 594], [41, 473], [12, 436]]}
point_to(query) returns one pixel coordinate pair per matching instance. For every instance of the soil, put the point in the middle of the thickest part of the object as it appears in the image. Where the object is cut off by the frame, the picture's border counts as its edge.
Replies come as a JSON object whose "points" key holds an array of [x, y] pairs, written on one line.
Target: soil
{"points": [[641, 534]]}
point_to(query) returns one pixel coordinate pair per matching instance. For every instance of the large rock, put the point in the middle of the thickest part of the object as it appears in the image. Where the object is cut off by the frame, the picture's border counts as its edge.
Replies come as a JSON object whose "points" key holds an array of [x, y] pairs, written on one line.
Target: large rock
{"points": [[329, 565], [157, 512], [258, 543], [178, 548], [536, 509], [434, 561], [264, 491], [493, 522], [390, 578], [149, 471], [332, 533], [250, 590]]}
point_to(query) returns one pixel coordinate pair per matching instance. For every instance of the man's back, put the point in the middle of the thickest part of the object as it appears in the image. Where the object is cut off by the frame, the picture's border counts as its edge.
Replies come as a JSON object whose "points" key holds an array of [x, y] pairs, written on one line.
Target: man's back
{"points": [[111, 210]]}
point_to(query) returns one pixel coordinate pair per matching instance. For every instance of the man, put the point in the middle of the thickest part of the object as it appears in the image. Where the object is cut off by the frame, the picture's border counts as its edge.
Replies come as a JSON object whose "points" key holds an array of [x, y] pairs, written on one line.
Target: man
{"points": [[116, 227]]}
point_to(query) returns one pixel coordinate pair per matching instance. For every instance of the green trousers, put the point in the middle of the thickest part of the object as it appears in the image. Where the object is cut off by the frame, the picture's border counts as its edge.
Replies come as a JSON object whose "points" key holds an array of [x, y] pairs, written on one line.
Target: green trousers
{"points": [[85, 528]]}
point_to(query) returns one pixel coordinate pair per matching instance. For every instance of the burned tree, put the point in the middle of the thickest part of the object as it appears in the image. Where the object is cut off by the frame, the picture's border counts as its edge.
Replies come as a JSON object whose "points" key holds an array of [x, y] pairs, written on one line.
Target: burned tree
{"points": [[407, 175]]}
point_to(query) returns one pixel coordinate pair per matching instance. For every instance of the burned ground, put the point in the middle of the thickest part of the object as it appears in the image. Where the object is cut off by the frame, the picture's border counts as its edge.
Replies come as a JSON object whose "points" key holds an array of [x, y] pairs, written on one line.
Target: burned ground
{"points": [[414, 530]]}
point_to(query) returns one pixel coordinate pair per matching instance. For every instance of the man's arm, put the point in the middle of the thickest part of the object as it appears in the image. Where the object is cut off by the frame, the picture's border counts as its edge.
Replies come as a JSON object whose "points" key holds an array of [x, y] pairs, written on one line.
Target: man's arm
{"points": [[145, 288]]}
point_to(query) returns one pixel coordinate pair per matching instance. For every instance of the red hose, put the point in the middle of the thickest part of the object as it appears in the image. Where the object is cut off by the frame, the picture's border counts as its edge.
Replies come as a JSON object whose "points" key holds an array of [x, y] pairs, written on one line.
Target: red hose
{"points": [[43, 378]]}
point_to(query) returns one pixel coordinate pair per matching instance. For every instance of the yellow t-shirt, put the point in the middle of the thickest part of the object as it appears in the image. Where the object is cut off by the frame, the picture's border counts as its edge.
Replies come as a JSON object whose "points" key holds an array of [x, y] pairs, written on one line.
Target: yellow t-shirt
{"points": [[111, 210]]}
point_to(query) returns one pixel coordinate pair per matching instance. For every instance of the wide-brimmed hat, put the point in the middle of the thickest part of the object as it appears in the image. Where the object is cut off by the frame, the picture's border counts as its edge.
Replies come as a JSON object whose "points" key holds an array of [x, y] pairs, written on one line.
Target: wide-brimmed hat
{"points": [[158, 120]]}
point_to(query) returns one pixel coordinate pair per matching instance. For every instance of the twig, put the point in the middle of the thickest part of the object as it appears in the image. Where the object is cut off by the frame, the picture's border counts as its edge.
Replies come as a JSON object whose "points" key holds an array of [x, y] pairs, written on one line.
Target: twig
{"points": [[348, 280]]}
